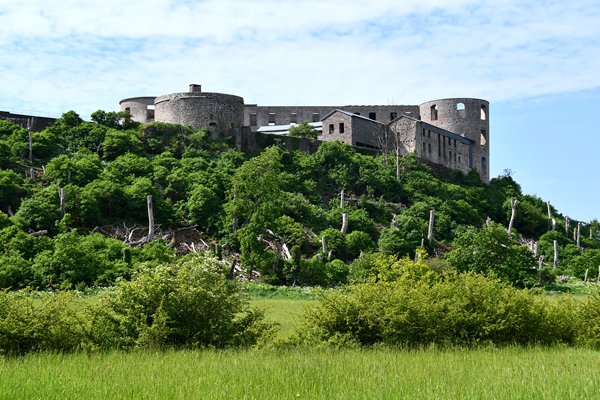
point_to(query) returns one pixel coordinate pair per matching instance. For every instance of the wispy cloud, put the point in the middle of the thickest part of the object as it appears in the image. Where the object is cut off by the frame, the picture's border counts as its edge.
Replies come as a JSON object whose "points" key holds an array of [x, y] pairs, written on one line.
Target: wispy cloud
{"points": [[89, 54]]}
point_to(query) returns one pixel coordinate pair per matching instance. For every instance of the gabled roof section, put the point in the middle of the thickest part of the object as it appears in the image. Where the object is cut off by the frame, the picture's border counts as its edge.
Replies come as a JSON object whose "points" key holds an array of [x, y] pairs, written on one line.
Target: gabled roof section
{"points": [[433, 128], [348, 113]]}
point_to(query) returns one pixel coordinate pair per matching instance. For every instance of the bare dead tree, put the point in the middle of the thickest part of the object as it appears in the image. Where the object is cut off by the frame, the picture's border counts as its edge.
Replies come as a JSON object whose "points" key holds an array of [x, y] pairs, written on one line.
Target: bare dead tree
{"points": [[541, 261], [62, 199], [555, 261], [567, 223], [549, 210], [513, 207], [579, 235], [430, 228], [150, 218], [344, 228]]}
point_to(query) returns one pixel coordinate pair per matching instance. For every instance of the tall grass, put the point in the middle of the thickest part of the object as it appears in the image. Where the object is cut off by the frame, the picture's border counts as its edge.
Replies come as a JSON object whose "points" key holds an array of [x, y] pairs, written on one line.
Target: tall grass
{"points": [[381, 373]]}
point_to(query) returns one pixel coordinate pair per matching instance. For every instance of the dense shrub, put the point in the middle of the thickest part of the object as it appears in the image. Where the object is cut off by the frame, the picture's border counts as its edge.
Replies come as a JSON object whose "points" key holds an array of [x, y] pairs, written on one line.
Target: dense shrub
{"points": [[460, 309], [191, 303], [40, 322]]}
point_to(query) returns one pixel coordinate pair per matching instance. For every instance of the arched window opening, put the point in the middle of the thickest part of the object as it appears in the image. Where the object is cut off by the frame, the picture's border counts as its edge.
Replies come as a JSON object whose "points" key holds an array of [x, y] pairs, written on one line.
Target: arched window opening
{"points": [[483, 138], [460, 110], [483, 112], [434, 112], [483, 165]]}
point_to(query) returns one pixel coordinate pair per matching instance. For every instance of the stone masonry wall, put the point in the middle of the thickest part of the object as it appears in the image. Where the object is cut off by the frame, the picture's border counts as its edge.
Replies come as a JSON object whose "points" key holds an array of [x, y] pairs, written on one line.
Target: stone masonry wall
{"points": [[140, 108], [218, 112], [467, 117]]}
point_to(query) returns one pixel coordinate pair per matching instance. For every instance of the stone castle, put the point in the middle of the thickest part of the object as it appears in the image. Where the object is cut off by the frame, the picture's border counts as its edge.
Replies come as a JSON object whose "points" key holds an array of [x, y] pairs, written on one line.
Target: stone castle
{"points": [[452, 133]]}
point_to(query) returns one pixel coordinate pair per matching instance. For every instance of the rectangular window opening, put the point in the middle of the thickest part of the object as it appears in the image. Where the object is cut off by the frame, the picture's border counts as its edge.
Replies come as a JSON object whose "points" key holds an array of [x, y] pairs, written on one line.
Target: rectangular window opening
{"points": [[331, 128], [372, 116], [271, 118], [341, 127], [253, 119]]}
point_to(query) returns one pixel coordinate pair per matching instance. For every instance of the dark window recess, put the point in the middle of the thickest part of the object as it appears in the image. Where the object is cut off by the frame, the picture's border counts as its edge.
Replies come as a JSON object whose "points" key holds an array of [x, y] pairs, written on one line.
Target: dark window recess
{"points": [[434, 112], [450, 155], [454, 142], [213, 124], [372, 116], [316, 117], [341, 127], [458, 158], [423, 131], [423, 147], [483, 138], [454, 157], [331, 128], [429, 147], [293, 118], [429, 134], [271, 118], [483, 165], [366, 146], [253, 119], [393, 115]]}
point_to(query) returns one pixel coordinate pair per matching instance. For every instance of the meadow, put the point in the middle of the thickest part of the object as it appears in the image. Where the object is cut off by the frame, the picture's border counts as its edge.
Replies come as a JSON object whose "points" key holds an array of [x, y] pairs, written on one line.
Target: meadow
{"points": [[379, 373], [312, 373]]}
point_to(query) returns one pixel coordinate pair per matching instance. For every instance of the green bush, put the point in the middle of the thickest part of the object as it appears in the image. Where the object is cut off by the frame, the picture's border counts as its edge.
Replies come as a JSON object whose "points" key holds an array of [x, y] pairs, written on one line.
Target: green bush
{"points": [[190, 304], [40, 322], [460, 309]]}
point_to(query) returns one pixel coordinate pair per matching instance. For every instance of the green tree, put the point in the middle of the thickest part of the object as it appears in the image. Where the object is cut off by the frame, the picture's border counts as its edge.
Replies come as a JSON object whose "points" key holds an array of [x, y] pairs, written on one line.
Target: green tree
{"points": [[489, 250], [304, 130]]}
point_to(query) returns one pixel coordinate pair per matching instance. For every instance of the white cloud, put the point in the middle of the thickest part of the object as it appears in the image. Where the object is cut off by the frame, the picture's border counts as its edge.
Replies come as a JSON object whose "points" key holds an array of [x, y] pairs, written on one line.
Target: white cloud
{"points": [[89, 54]]}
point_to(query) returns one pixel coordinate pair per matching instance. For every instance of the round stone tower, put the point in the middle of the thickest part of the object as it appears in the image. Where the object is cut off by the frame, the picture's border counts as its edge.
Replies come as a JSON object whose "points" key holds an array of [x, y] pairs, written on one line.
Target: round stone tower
{"points": [[467, 117], [140, 108], [217, 112]]}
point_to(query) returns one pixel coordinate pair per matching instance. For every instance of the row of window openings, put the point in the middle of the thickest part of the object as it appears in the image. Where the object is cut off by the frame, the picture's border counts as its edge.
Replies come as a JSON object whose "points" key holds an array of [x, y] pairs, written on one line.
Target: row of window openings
{"points": [[427, 148], [482, 137], [460, 110], [332, 128], [316, 117]]}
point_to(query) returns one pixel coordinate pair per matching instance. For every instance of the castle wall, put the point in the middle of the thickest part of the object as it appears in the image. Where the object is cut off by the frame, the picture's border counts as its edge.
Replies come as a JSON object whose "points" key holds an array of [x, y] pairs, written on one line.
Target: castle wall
{"points": [[256, 116], [466, 117], [36, 124], [332, 128], [217, 112], [140, 108]]}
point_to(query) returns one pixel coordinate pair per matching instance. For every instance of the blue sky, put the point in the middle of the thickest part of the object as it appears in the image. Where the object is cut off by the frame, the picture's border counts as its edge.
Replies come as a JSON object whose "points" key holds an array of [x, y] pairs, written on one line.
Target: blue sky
{"points": [[536, 62]]}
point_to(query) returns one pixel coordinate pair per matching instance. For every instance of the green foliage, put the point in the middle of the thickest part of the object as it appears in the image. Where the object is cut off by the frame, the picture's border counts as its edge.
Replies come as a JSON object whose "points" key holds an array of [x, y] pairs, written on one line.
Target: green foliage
{"points": [[460, 309], [491, 251], [79, 261], [304, 130], [191, 303], [44, 322], [117, 143]]}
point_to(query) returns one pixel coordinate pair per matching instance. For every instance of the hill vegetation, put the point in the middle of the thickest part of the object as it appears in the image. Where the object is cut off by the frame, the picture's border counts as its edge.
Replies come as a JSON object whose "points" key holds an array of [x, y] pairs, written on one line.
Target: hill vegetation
{"points": [[74, 211]]}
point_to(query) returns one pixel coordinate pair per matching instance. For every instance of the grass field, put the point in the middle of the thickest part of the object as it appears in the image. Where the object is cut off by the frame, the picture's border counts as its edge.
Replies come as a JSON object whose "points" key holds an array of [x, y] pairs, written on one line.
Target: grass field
{"points": [[309, 374], [379, 373]]}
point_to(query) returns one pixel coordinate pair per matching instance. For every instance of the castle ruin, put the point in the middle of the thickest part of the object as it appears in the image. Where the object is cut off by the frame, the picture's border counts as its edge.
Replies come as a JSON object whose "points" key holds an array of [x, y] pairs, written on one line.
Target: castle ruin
{"points": [[453, 133]]}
